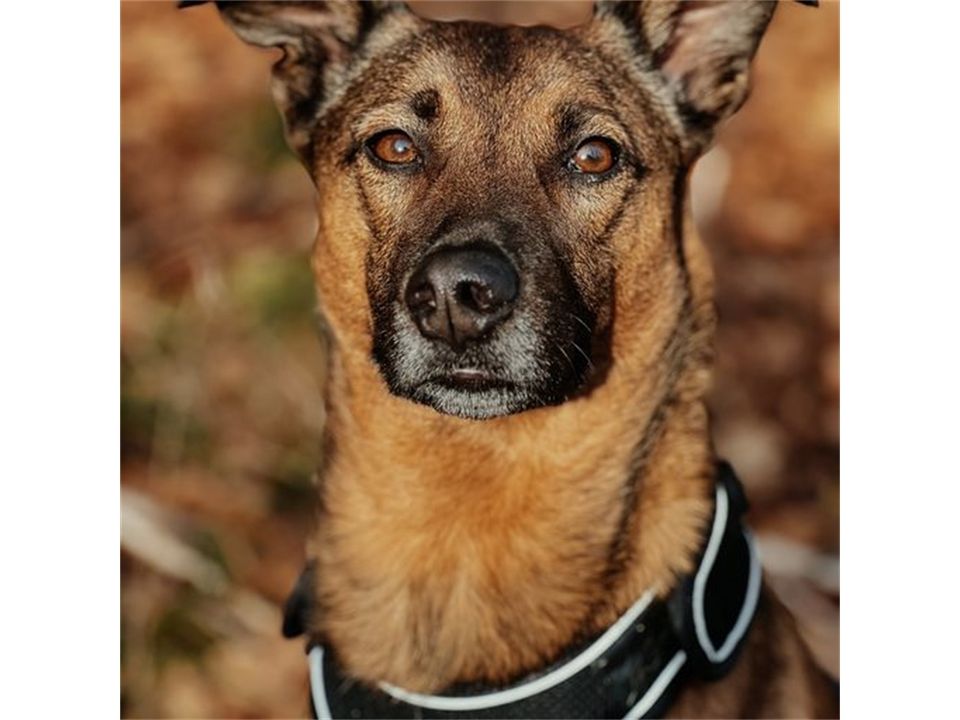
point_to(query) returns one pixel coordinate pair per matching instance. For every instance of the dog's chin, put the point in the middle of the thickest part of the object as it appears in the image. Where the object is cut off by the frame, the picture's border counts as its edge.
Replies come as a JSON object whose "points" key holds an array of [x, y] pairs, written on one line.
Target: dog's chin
{"points": [[477, 394], [476, 397]]}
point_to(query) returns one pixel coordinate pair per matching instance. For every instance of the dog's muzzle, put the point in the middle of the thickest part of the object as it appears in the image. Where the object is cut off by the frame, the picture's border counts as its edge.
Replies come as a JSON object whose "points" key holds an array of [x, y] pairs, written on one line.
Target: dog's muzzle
{"points": [[482, 320]]}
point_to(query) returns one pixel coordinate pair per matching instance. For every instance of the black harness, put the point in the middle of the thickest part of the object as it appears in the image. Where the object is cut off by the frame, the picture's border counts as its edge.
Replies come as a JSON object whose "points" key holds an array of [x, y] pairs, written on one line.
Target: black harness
{"points": [[631, 670]]}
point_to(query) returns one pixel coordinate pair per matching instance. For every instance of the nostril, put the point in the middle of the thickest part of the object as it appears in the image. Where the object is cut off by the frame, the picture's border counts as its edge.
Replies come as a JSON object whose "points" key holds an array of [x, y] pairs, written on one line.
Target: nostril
{"points": [[422, 297], [477, 296]]}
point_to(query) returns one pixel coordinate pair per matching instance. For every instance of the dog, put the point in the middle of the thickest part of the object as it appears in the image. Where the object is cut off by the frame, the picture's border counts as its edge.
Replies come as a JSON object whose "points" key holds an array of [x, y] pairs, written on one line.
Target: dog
{"points": [[519, 485]]}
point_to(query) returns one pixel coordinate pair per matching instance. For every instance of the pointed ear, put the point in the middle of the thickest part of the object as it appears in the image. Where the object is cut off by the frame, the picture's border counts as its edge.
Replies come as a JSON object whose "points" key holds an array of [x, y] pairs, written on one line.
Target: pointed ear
{"points": [[703, 50], [315, 37]]}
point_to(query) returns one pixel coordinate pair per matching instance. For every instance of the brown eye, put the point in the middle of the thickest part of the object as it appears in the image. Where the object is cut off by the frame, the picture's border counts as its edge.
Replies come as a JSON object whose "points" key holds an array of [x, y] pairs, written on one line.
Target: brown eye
{"points": [[394, 147], [595, 156]]}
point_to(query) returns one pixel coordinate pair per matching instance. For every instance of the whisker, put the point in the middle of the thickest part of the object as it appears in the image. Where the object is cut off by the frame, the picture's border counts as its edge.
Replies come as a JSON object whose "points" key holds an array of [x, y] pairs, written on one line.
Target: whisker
{"points": [[560, 348], [581, 321], [585, 356]]}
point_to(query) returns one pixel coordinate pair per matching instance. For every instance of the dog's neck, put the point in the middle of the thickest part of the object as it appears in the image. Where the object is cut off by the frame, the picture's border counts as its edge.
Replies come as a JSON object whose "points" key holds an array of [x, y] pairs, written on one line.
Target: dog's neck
{"points": [[453, 550]]}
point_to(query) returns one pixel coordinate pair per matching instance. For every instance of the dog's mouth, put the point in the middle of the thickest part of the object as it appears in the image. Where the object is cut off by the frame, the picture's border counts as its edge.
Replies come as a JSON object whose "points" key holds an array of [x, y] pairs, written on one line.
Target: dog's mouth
{"points": [[511, 372], [471, 379]]}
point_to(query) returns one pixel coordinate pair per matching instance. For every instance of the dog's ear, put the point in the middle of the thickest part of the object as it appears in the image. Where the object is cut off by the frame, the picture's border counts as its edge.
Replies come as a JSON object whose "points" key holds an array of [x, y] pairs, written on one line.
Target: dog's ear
{"points": [[317, 39], [703, 50]]}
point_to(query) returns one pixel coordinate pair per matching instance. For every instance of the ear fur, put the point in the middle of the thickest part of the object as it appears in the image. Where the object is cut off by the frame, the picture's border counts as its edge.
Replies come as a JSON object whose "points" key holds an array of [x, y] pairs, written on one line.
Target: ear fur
{"points": [[315, 37], [702, 49]]}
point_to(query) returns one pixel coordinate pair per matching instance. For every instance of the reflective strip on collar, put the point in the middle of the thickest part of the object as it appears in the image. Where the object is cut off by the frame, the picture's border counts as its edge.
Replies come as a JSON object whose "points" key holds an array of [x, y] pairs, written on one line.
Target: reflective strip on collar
{"points": [[534, 687], [658, 688], [503, 697], [737, 632], [317, 689]]}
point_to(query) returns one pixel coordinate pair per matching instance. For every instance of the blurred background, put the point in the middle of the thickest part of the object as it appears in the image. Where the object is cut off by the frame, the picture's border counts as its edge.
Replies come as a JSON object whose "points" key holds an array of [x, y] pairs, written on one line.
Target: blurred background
{"points": [[222, 370]]}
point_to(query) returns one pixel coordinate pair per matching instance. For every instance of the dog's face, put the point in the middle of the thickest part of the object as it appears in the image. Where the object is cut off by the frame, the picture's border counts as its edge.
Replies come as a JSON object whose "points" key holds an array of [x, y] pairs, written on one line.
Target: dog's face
{"points": [[491, 191], [484, 189]]}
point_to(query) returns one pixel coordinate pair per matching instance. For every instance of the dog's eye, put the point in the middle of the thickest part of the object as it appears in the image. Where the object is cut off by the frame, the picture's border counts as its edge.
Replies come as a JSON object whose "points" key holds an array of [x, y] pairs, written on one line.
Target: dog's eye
{"points": [[595, 156], [394, 148]]}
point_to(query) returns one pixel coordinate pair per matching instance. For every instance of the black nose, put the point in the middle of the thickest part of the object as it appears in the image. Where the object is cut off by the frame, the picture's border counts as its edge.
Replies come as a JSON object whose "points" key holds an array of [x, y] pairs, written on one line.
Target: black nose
{"points": [[461, 294]]}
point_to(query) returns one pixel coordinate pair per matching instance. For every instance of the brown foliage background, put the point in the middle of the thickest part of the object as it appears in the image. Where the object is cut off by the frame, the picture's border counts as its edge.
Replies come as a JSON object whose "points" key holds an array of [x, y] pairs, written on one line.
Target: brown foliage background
{"points": [[221, 370]]}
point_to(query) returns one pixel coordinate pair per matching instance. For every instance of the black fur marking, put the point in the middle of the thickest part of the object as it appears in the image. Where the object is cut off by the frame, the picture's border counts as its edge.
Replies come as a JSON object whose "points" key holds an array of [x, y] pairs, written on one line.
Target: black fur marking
{"points": [[627, 13], [670, 356], [617, 216], [426, 104], [570, 119], [370, 14], [300, 603], [496, 52], [679, 203], [378, 239], [303, 76], [694, 119], [350, 156]]}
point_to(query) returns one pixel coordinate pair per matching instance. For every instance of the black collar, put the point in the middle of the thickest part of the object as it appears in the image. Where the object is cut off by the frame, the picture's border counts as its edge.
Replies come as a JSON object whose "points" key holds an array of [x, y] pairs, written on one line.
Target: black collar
{"points": [[632, 670]]}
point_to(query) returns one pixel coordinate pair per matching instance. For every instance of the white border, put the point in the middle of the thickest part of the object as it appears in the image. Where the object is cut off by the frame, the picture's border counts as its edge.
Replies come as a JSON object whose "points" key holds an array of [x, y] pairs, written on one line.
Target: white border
{"points": [[60, 368], [899, 359]]}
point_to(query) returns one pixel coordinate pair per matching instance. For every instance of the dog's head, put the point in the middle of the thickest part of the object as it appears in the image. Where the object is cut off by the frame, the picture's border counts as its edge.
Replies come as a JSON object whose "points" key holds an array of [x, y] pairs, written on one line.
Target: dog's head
{"points": [[493, 200]]}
